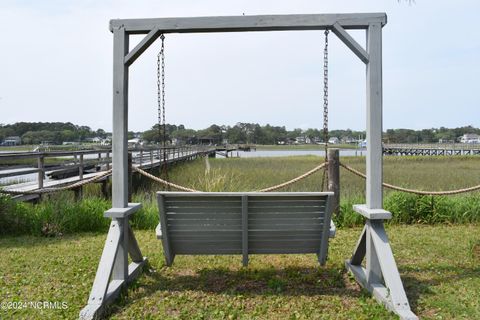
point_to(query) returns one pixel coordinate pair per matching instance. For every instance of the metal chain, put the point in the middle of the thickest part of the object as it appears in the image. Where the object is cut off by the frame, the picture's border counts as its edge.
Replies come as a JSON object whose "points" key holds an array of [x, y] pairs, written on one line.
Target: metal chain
{"points": [[161, 103], [325, 106]]}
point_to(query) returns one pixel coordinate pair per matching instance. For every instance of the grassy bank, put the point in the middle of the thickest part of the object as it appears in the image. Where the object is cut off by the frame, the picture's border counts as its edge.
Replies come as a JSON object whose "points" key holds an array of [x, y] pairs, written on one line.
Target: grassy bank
{"points": [[439, 267]]}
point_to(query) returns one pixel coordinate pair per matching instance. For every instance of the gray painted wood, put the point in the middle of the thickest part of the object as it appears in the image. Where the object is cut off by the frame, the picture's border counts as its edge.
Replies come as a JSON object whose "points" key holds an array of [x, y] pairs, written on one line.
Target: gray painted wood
{"points": [[120, 265], [130, 209], [133, 248], [323, 252], [372, 264], [360, 249], [165, 236], [374, 168], [391, 293], [249, 23], [120, 120], [245, 230], [142, 46], [351, 43], [256, 223]]}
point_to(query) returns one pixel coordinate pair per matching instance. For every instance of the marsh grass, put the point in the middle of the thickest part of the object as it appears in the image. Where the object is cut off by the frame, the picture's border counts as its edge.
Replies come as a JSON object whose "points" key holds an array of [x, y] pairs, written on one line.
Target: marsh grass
{"points": [[59, 213]]}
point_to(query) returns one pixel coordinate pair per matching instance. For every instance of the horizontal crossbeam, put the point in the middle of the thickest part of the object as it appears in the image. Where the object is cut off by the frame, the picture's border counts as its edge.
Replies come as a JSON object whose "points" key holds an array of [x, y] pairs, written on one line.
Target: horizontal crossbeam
{"points": [[249, 23]]}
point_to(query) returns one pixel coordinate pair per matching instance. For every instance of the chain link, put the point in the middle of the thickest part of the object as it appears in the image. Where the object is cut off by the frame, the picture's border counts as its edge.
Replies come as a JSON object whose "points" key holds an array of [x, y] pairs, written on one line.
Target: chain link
{"points": [[325, 107], [161, 103]]}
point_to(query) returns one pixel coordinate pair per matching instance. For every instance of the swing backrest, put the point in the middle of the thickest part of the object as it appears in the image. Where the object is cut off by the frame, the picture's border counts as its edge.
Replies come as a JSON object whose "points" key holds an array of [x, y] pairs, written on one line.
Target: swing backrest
{"points": [[244, 223]]}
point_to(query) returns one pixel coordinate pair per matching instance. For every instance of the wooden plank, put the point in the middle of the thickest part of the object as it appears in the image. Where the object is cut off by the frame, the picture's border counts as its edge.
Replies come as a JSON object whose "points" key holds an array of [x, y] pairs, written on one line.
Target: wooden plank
{"points": [[374, 163], [142, 46], [105, 267], [287, 221], [276, 244], [120, 120], [203, 216], [322, 253], [287, 203], [172, 195], [285, 215], [283, 251], [249, 23], [318, 210], [271, 234], [168, 253], [204, 223], [286, 227], [202, 210], [208, 251], [211, 203], [350, 42], [209, 228], [245, 214]]}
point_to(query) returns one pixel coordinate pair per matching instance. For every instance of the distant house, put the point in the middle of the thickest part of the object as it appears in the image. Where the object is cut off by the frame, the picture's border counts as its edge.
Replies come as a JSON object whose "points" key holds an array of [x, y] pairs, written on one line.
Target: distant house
{"points": [[135, 143], [362, 144], [333, 140], [94, 140], [12, 141], [470, 138], [302, 140]]}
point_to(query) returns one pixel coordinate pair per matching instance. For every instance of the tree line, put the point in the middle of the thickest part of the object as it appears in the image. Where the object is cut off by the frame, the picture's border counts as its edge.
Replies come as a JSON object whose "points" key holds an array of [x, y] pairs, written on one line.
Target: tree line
{"points": [[248, 133]]}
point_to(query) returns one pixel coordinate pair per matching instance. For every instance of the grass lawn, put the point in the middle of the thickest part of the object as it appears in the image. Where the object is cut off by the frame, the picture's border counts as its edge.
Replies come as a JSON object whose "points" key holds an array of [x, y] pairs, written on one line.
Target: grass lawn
{"points": [[439, 266]]}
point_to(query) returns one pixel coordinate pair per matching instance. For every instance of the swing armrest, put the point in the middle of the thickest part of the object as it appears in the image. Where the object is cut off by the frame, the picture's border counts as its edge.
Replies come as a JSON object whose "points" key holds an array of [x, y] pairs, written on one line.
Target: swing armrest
{"points": [[158, 232], [372, 214]]}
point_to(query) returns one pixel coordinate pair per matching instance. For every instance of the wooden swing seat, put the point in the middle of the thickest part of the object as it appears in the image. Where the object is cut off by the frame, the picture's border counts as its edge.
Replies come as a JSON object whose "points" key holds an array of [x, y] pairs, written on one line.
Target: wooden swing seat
{"points": [[198, 223]]}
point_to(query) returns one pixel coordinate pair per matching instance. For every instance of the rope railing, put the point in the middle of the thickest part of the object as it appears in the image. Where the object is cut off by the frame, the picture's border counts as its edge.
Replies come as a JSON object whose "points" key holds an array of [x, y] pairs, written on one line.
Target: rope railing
{"points": [[57, 189], [164, 182], [417, 192]]}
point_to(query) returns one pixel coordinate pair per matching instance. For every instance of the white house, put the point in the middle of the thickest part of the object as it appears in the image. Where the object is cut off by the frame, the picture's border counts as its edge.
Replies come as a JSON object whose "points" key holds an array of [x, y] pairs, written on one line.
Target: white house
{"points": [[12, 141], [135, 143], [470, 138], [333, 140]]}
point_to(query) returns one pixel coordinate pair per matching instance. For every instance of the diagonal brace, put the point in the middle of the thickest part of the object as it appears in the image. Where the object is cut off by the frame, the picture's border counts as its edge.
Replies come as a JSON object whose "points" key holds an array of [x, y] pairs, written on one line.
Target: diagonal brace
{"points": [[142, 46], [351, 43]]}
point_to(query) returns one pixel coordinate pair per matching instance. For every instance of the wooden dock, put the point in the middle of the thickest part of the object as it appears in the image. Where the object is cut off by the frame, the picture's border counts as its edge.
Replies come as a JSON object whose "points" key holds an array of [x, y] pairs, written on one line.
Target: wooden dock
{"points": [[431, 150], [75, 163]]}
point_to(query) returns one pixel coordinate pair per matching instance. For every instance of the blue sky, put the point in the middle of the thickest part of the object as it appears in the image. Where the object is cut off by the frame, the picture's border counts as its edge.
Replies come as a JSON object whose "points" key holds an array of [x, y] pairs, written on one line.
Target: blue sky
{"points": [[56, 63]]}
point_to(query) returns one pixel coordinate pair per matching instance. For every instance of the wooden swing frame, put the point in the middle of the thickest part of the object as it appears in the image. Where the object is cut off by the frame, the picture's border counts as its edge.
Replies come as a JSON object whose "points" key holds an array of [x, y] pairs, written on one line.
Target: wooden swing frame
{"points": [[380, 276]]}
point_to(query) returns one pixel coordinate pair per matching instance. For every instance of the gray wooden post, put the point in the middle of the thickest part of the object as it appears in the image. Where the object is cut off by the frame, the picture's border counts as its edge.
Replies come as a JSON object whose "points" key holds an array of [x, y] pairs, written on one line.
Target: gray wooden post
{"points": [[40, 166], [374, 140], [374, 117], [141, 157], [114, 271], [334, 178], [120, 119]]}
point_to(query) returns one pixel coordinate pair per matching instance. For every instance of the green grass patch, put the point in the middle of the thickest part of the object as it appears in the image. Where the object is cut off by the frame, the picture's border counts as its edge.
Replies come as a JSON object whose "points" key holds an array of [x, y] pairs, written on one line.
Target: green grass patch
{"points": [[439, 271]]}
